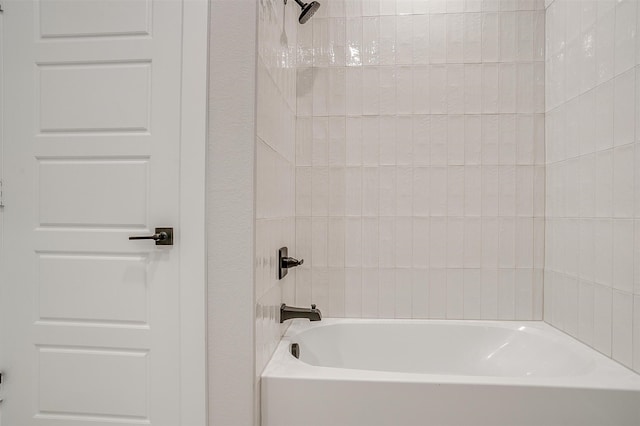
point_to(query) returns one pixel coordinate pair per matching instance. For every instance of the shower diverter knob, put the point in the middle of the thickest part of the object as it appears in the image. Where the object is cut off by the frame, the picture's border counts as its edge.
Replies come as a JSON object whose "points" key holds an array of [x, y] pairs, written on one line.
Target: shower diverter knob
{"points": [[285, 262]]}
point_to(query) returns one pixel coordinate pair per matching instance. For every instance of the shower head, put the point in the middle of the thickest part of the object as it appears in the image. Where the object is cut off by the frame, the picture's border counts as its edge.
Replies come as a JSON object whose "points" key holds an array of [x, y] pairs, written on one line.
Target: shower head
{"points": [[308, 9]]}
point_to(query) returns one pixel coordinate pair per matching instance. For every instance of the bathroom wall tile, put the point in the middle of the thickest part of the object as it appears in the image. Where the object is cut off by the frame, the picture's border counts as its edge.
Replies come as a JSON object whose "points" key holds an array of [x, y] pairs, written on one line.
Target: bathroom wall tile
{"points": [[604, 183], [438, 89], [404, 90], [353, 49], [336, 290], [420, 90], [636, 333], [625, 35], [421, 241], [370, 140], [623, 242], [371, 7], [490, 88], [605, 47], [336, 53], [506, 293], [455, 287], [602, 333], [387, 293], [437, 38], [622, 328], [387, 7], [586, 312], [371, 40], [420, 293], [371, 91], [438, 242], [354, 91], [403, 293], [437, 293], [604, 115], [387, 50], [603, 234], [623, 181], [320, 191], [490, 43], [353, 242], [370, 293], [507, 30], [473, 191], [353, 292], [421, 159], [624, 108]]}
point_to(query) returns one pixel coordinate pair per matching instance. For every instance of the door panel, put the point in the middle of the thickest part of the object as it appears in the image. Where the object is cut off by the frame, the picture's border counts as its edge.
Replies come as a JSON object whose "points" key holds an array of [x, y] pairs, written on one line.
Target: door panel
{"points": [[64, 18], [92, 100], [94, 97]]}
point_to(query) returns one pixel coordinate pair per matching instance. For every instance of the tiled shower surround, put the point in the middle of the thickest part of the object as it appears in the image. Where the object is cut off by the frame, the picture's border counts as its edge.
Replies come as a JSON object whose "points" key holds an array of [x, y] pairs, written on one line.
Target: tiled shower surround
{"points": [[419, 159], [592, 269], [275, 168]]}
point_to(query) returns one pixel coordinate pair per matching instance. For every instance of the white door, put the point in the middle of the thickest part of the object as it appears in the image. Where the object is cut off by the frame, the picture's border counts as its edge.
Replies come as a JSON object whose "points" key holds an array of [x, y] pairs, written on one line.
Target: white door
{"points": [[91, 321]]}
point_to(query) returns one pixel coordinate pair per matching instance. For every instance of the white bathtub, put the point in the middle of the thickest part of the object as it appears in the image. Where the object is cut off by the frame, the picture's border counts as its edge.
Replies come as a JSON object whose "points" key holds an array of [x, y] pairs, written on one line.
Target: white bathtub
{"points": [[466, 373]]}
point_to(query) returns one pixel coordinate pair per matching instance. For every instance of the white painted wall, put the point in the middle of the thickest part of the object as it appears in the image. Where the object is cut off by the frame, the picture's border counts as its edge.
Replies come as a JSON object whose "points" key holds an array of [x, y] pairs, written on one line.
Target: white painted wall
{"points": [[231, 212]]}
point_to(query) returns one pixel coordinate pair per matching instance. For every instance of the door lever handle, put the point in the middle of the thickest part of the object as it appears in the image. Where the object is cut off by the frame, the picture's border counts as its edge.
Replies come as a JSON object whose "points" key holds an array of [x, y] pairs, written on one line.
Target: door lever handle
{"points": [[162, 237]]}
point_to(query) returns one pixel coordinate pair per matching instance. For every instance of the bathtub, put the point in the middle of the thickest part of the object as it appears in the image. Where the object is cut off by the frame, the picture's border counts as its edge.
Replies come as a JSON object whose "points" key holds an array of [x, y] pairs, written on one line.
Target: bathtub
{"points": [[423, 373]]}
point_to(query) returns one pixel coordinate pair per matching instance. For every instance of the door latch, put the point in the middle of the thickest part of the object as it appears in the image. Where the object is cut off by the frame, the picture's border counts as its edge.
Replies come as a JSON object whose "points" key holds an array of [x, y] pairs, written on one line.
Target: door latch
{"points": [[162, 237]]}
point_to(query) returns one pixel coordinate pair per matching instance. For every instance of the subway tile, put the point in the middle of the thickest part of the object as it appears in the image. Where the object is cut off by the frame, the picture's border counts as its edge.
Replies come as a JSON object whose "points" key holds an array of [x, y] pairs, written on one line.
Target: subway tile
{"points": [[604, 115], [489, 294], [472, 294], [403, 242], [605, 47], [624, 109], [403, 293], [353, 141], [622, 328], [420, 293], [370, 293], [354, 91], [623, 181], [623, 241], [586, 303], [472, 38], [420, 45], [437, 293], [636, 333], [506, 293], [371, 40], [353, 242], [490, 43], [387, 90], [455, 288], [353, 292], [387, 293], [625, 35], [437, 38]]}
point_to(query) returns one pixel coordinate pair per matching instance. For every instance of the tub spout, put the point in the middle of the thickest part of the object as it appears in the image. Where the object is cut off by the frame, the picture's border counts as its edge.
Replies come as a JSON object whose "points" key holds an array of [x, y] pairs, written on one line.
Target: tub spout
{"points": [[291, 312]]}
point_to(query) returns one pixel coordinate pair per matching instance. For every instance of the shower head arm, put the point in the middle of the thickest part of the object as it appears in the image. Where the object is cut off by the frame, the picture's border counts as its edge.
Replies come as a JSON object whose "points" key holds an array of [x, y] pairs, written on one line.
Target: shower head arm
{"points": [[300, 3]]}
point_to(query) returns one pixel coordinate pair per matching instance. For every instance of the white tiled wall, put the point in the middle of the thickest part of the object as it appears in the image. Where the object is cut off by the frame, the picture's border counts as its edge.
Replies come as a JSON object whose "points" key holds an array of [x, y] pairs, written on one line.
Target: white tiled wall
{"points": [[420, 159], [275, 168], [592, 268]]}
